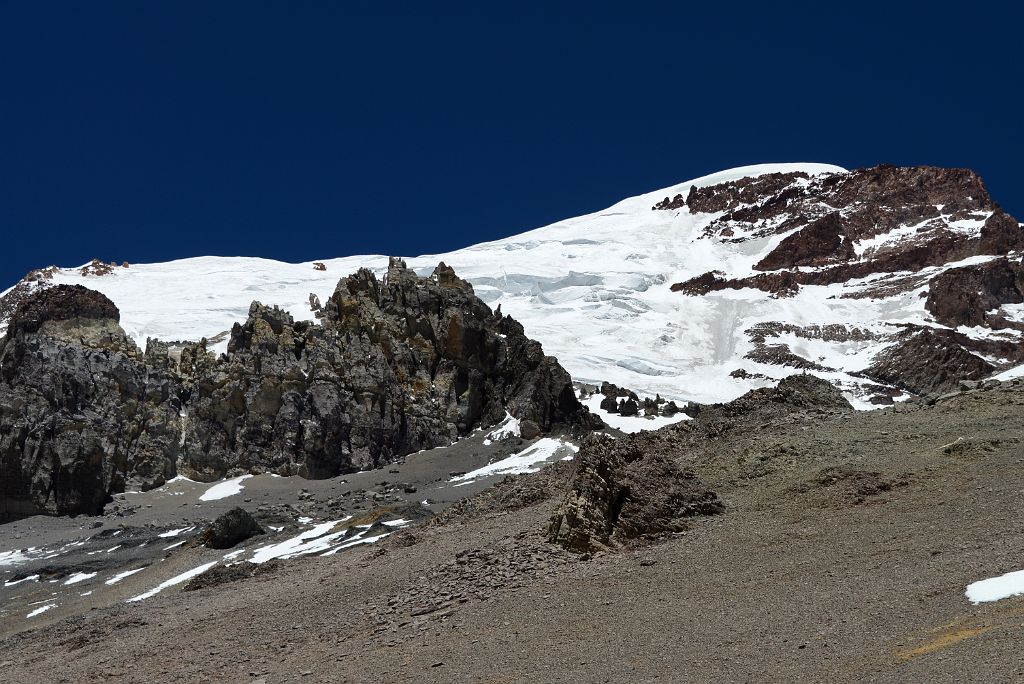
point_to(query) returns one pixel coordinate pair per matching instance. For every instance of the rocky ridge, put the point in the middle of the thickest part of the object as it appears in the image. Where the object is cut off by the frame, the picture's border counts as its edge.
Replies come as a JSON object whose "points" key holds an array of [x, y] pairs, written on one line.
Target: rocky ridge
{"points": [[393, 366]]}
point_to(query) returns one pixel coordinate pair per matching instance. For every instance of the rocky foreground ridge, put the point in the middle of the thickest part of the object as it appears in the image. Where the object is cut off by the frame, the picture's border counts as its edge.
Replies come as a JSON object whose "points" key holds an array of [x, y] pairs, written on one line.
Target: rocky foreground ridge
{"points": [[394, 366]]}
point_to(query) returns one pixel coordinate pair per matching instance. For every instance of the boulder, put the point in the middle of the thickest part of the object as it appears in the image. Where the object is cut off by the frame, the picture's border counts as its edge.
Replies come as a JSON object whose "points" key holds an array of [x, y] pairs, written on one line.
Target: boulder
{"points": [[528, 429], [231, 528], [629, 407]]}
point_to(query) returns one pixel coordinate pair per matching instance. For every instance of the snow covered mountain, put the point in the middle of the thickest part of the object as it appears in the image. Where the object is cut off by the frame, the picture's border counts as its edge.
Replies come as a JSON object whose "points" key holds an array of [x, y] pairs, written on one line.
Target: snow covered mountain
{"points": [[699, 292]]}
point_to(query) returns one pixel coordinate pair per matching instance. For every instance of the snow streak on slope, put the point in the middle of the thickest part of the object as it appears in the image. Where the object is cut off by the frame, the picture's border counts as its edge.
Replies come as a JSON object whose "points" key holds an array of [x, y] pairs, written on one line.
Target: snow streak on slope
{"points": [[593, 289]]}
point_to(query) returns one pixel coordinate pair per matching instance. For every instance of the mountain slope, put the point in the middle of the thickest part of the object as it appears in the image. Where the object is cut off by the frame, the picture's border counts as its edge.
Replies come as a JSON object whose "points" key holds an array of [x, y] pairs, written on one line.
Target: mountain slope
{"points": [[596, 290]]}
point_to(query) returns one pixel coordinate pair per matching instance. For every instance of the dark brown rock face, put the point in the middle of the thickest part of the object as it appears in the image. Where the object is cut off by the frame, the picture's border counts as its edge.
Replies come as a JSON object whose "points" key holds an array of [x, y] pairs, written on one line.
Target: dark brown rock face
{"points": [[729, 196], [821, 242], [963, 296], [626, 489], [395, 366]]}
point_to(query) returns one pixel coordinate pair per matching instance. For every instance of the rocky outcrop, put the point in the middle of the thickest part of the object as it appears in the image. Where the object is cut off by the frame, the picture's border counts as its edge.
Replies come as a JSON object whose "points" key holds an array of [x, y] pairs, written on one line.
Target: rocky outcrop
{"points": [[927, 361], [393, 367], [81, 415], [627, 489], [873, 200], [823, 241], [231, 528], [803, 393], [965, 295], [743, 191]]}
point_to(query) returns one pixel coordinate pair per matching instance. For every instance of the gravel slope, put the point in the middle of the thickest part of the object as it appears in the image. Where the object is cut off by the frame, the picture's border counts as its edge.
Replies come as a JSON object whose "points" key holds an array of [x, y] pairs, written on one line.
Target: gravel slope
{"points": [[843, 555]]}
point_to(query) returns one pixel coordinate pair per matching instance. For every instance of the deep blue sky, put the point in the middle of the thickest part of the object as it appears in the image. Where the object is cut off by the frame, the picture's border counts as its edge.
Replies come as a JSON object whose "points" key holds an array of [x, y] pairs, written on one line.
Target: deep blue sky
{"points": [[146, 131]]}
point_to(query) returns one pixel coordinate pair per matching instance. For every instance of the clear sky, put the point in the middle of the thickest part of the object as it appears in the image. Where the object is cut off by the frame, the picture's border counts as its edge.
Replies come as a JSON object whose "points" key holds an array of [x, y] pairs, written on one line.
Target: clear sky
{"points": [[147, 131]]}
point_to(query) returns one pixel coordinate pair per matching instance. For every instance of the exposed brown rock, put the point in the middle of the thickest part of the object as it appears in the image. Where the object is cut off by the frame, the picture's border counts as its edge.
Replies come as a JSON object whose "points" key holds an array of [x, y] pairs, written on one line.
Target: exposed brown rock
{"points": [[872, 202], [781, 355], [823, 241], [98, 268], [964, 296], [726, 196]]}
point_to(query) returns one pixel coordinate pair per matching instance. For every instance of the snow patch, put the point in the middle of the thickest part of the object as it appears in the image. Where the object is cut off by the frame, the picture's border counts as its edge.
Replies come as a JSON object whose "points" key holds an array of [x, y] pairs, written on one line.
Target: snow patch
{"points": [[310, 541], [525, 461], [356, 541], [41, 609], [996, 588], [224, 489], [1011, 374], [30, 578], [12, 557], [177, 579], [121, 575], [80, 577], [509, 427]]}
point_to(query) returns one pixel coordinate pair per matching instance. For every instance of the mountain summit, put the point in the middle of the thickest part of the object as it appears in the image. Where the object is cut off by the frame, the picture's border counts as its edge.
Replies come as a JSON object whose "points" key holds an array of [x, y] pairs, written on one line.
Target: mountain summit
{"points": [[887, 281]]}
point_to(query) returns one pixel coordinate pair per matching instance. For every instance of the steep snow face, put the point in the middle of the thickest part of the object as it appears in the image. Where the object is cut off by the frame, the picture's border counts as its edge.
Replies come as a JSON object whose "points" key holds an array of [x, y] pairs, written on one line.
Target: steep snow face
{"points": [[595, 290]]}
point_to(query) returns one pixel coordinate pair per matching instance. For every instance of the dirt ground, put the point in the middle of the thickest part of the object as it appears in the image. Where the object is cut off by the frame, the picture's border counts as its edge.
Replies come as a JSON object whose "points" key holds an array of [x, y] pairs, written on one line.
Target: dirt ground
{"points": [[843, 556]]}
